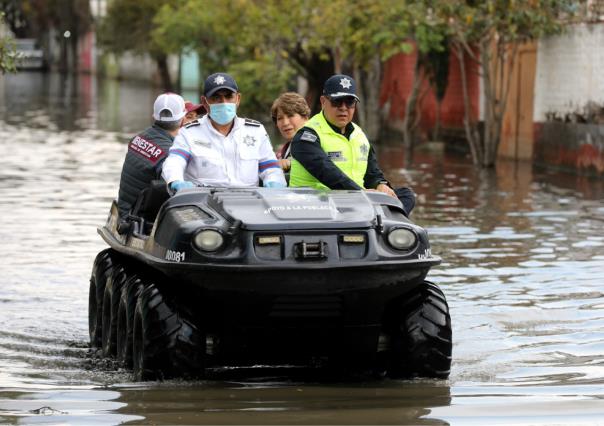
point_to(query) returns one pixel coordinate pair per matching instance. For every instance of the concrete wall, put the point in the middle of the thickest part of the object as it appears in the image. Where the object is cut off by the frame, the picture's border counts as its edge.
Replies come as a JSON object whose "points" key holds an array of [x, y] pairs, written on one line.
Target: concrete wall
{"points": [[572, 147], [569, 78], [570, 71]]}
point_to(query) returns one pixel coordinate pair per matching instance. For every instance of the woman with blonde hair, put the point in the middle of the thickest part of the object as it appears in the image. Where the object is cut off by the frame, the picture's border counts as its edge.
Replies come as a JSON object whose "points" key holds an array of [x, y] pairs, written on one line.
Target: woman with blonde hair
{"points": [[290, 112]]}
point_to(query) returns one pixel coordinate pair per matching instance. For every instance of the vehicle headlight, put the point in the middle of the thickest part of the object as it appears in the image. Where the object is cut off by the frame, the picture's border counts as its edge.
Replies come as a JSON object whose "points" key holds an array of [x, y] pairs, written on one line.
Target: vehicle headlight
{"points": [[402, 238], [208, 240]]}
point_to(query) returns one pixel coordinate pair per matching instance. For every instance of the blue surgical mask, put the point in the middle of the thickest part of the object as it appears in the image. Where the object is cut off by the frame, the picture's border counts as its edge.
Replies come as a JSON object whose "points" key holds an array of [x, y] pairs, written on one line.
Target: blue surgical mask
{"points": [[223, 113]]}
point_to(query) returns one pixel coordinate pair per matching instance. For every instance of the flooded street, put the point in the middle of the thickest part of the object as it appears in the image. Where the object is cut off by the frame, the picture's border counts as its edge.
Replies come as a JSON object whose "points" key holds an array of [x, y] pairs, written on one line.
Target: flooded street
{"points": [[523, 272]]}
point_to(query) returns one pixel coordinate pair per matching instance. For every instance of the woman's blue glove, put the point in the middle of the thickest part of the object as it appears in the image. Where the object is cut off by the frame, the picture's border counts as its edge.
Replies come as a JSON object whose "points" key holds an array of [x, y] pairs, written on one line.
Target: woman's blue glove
{"points": [[274, 185], [177, 185]]}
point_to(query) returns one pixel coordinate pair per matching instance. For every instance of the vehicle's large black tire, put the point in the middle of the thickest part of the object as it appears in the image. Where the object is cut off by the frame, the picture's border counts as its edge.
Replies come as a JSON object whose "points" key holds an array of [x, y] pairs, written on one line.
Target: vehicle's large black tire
{"points": [[111, 301], [165, 344], [420, 335], [125, 318], [101, 273]]}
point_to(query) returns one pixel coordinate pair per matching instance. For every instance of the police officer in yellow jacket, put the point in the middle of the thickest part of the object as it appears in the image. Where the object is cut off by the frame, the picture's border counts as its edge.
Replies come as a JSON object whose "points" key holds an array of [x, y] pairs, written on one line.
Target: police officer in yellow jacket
{"points": [[331, 151]]}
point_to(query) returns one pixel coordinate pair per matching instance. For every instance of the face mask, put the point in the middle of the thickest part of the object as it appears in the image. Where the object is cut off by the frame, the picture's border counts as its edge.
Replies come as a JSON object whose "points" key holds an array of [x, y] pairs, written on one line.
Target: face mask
{"points": [[223, 113]]}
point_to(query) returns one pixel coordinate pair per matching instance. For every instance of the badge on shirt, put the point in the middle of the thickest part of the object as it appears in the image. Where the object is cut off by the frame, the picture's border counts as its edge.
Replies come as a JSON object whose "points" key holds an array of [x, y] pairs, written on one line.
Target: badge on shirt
{"points": [[205, 144], [249, 140], [308, 136], [253, 123], [336, 156], [146, 149], [364, 150]]}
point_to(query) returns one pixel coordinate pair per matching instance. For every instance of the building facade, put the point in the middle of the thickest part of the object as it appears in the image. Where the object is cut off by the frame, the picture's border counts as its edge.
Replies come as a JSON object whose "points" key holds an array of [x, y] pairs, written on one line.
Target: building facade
{"points": [[555, 107]]}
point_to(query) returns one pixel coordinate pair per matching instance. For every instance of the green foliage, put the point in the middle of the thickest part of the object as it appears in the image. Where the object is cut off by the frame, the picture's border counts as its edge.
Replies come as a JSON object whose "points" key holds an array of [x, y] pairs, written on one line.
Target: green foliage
{"points": [[253, 41], [391, 27], [8, 54], [210, 27], [510, 21], [265, 43], [260, 82], [297, 37], [36, 17], [128, 26]]}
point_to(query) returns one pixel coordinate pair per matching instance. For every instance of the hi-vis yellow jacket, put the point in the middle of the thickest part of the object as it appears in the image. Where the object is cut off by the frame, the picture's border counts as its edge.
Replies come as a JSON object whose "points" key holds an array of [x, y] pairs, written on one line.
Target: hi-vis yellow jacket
{"points": [[349, 155]]}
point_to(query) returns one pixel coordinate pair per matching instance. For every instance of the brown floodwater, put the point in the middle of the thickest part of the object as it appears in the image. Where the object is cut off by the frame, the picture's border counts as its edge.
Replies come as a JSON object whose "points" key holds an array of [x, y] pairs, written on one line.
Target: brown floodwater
{"points": [[523, 271]]}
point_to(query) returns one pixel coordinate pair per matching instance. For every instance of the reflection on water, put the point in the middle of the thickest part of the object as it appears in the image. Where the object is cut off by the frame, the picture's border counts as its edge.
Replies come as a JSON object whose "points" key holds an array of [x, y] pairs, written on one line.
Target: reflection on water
{"points": [[523, 265], [270, 402], [62, 103]]}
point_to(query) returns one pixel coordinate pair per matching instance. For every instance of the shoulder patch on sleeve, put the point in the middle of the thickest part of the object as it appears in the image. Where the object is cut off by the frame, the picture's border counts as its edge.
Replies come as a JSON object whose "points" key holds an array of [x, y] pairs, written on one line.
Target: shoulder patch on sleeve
{"points": [[250, 122], [308, 136], [192, 124]]}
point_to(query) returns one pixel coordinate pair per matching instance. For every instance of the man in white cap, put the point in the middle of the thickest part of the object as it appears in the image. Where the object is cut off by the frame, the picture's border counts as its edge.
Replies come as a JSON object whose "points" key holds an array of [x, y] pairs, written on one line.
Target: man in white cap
{"points": [[148, 150], [221, 149]]}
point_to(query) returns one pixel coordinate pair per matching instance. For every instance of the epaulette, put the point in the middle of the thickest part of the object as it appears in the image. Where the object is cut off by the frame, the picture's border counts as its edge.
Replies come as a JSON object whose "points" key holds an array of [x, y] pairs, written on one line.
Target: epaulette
{"points": [[308, 136], [192, 124], [250, 122]]}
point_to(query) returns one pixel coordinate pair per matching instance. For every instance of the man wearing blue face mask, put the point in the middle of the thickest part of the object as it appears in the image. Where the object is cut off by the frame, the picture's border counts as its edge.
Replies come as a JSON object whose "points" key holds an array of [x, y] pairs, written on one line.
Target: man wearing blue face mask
{"points": [[221, 149]]}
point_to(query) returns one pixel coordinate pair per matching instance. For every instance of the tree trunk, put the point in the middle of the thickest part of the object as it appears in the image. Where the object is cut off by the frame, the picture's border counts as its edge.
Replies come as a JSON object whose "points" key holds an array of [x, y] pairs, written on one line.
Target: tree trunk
{"points": [[437, 71], [498, 71], [337, 59], [164, 73], [368, 88], [63, 55], [472, 133], [496, 81], [316, 68], [436, 130], [318, 71], [489, 74], [411, 120], [75, 59]]}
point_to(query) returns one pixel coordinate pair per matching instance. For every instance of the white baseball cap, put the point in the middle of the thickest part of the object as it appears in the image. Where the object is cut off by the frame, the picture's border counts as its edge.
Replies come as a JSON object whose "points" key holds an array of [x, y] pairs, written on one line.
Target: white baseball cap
{"points": [[169, 107]]}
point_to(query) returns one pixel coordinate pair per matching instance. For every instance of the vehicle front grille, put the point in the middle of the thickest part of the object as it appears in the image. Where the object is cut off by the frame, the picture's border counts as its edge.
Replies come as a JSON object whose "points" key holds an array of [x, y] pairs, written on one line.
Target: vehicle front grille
{"points": [[306, 306]]}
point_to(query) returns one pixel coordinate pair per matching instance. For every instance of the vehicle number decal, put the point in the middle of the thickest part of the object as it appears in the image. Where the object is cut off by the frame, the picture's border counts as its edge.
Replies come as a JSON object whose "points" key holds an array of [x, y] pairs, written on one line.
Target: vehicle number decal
{"points": [[427, 254], [175, 256]]}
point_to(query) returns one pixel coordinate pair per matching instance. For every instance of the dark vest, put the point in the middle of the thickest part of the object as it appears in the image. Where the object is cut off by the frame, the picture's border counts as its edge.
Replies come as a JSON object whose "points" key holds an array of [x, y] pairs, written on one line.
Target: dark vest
{"points": [[146, 154]]}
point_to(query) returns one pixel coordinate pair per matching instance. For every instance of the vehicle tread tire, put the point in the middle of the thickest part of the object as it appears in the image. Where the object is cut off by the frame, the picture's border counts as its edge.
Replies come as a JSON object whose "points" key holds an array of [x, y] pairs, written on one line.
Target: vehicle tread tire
{"points": [[111, 300], [125, 324], [165, 344], [421, 344], [101, 272]]}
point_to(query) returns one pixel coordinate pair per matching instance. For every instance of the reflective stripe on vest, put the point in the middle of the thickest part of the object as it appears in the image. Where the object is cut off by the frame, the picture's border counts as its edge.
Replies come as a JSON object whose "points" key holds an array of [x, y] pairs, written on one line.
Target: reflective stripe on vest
{"points": [[349, 155]]}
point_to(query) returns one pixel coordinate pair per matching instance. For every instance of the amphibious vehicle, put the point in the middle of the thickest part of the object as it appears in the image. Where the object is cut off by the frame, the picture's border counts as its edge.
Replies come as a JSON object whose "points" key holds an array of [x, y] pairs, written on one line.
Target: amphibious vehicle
{"points": [[244, 276]]}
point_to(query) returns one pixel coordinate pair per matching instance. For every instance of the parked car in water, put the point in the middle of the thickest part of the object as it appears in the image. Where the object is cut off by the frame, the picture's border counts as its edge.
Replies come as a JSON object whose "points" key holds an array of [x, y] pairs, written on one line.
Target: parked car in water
{"points": [[30, 55]]}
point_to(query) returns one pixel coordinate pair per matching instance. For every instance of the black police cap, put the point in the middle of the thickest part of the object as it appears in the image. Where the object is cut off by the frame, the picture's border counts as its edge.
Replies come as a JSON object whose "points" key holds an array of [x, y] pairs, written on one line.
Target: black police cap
{"points": [[218, 81], [339, 86]]}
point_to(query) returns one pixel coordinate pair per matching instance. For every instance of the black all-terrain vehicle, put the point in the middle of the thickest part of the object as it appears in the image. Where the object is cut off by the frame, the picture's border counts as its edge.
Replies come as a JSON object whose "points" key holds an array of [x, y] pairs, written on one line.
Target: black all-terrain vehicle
{"points": [[216, 276]]}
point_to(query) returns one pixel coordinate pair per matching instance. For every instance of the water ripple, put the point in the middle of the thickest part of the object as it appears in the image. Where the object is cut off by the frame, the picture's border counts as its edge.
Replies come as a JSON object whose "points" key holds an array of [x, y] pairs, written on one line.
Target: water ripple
{"points": [[523, 262]]}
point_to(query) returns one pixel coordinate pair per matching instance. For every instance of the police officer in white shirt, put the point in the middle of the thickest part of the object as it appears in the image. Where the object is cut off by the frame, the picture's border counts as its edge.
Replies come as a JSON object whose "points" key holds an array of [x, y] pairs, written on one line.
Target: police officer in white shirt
{"points": [[221, 149]]}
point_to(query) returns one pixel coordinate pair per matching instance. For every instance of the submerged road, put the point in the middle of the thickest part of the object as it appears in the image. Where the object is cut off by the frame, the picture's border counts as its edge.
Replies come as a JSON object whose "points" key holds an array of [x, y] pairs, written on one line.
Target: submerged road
{"points": [[523, 269]]}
